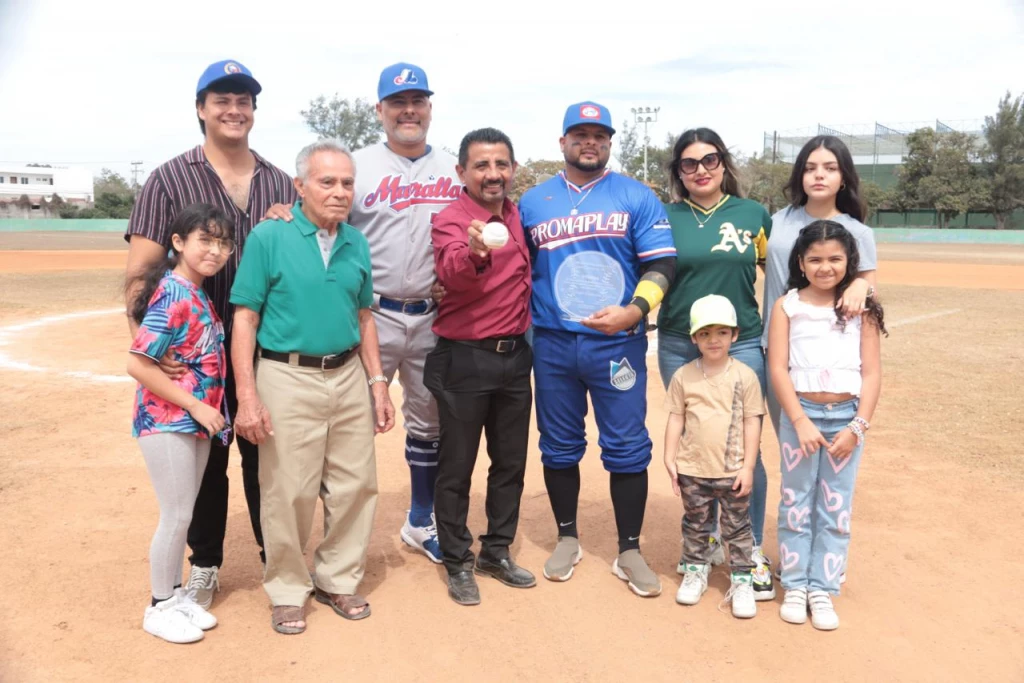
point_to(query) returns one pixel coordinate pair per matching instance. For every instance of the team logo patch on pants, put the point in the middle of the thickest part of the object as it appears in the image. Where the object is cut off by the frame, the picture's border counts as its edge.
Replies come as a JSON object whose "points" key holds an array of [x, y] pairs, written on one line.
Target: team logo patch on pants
{"points": [[623, 376]]}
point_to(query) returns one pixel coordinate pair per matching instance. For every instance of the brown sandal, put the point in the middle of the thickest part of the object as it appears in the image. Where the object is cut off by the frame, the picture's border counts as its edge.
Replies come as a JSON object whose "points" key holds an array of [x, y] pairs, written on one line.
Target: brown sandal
{"points": [[286, 613], [343, 603]]}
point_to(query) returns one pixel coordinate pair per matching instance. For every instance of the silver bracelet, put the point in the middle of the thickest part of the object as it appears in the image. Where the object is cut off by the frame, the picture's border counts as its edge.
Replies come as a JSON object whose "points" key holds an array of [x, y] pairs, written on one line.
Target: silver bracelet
{"points": [[857, 432]]}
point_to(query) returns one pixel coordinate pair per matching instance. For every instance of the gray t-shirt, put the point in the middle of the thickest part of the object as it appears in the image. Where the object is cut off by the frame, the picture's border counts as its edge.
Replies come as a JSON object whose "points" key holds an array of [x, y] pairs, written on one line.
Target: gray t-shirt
{"points": [[786, 225]]}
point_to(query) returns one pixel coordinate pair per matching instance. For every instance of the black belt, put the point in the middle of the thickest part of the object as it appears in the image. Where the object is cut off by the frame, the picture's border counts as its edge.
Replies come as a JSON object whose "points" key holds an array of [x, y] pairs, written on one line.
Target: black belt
{"points": [[335, 360], [407, 306], [496, 344]]}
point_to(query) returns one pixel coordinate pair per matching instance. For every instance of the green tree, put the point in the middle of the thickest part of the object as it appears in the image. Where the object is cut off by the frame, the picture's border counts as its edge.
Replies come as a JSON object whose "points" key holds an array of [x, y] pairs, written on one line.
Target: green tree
{"points": [[629, 152], [354, 123], [938, 173], [763, 181], [876, 197], [1004, 158], [109, 182], [531, 173]]}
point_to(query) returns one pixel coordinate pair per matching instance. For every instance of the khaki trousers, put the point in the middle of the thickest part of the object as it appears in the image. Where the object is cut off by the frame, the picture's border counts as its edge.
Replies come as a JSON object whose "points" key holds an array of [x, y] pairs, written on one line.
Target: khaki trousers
{"points": [[322, 446]]}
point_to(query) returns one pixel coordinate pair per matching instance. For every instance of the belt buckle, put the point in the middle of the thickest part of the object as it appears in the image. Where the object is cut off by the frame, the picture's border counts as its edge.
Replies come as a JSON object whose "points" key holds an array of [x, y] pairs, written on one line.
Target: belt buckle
{"points": [[324, 359], [505, 345], [408, 305]]}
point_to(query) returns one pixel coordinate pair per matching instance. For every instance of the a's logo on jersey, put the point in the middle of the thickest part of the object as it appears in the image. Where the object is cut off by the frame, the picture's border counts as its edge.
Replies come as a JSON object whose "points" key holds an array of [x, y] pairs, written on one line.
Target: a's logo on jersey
{"points": [[406, 76], [588, 111], [663, 224], [400, 196], [623, 376], [731, 237], [232, 68], [560, 231]]}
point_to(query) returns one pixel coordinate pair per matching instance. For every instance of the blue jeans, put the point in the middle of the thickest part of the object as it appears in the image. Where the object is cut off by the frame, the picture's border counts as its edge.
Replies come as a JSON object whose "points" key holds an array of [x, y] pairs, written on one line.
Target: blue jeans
{"points": [[675, 352], [817, 499]]}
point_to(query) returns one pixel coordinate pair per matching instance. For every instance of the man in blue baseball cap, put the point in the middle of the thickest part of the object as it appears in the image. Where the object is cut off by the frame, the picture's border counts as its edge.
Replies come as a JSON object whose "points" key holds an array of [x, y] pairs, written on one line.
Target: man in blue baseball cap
{"points": [[225, 172]]}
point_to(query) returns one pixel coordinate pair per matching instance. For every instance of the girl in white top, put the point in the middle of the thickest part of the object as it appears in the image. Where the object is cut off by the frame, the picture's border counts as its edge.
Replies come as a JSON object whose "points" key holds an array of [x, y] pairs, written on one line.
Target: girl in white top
{"points": [[825, 368]]}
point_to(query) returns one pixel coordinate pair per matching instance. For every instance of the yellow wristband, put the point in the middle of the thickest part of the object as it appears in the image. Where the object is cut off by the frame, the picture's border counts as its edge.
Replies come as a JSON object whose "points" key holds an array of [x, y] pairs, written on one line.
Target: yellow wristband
{"points": [[649, 292]]}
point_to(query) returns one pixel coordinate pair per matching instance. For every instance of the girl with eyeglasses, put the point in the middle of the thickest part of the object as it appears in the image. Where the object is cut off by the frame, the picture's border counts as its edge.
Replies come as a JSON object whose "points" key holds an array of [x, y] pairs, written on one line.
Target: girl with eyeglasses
{"points": [[720, 238]]}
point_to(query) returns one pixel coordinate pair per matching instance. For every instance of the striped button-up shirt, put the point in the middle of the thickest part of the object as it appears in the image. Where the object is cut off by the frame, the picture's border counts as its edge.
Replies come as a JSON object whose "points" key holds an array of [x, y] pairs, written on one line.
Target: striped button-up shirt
{"points": [[188, 179]]}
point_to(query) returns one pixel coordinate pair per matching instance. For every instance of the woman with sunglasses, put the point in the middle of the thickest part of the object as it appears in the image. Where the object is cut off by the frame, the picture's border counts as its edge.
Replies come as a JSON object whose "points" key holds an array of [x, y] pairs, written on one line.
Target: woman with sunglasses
{"points": [[720, 240]]}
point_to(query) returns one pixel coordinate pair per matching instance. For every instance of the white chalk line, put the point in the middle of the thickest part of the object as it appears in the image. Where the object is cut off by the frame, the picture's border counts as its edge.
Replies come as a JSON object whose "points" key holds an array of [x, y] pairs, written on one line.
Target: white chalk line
{"points": [[8, 332], [8, 335]]}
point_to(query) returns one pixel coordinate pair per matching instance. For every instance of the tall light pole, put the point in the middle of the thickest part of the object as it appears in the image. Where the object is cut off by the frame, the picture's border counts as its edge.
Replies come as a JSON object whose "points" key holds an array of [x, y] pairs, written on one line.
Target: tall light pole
{"points": [[645, 115]]}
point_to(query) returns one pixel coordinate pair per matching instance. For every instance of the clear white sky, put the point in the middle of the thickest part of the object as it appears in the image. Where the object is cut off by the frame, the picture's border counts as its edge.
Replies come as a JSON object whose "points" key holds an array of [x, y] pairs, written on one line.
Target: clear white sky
{"points": [[103, 83]]}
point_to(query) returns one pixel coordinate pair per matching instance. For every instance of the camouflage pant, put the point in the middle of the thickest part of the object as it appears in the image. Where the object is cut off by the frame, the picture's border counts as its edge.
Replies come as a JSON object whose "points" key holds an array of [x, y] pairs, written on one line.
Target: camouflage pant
{"points": [[697, 494]]}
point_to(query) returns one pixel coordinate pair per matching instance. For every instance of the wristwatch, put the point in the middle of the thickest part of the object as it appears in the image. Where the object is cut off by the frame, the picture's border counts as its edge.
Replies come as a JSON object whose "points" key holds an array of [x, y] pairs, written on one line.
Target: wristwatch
{"points": [[377, 378]]}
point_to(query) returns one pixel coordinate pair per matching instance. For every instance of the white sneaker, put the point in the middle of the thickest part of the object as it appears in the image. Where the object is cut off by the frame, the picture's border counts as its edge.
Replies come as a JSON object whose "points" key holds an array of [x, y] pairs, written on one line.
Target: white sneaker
{"points": [[764, 587], [741, 594], [165, 621], [823, 614], [717, 556], [695, 582], [794, 606], [187, 605], [203, 582], [422, 538]]}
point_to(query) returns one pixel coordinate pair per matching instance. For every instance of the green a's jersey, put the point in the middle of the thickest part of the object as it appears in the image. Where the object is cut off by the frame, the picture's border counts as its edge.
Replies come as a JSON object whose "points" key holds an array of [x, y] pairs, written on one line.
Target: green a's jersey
{"points": [[719, 258]]}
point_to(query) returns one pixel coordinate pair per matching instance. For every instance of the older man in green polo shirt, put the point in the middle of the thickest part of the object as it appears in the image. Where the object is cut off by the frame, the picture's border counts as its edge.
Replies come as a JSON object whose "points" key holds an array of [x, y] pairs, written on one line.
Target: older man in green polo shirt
{"points": [[302, 295]]}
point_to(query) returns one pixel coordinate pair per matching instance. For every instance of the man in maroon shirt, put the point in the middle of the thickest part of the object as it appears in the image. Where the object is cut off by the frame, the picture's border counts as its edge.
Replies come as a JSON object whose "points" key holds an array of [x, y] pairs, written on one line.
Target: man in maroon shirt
{"points": [[479, 371]]}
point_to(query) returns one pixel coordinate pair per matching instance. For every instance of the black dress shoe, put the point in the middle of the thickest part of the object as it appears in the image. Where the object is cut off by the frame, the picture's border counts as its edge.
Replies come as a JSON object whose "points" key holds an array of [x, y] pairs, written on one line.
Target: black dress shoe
{"points": [[506, 571], [462, 588]]}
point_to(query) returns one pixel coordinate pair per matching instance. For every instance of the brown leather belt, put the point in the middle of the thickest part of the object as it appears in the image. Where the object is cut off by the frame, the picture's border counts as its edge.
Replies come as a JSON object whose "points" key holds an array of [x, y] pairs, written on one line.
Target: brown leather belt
{"points": [[330, 362]]}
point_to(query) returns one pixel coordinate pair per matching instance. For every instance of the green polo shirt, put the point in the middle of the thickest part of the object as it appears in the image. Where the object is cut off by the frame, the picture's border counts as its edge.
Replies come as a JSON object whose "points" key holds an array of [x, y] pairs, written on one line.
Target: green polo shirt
{"points": [[304, 306], [720, 258]]}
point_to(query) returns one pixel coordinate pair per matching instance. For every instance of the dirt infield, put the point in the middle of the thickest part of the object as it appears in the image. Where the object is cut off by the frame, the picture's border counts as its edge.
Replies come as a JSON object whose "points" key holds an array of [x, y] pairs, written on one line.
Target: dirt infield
{"points": [[933, 591]]}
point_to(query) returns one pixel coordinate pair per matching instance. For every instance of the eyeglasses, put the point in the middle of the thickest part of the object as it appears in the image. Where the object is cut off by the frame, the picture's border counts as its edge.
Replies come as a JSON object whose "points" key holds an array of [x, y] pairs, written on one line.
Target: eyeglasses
{"points": [[710, 162], [224, 246]]}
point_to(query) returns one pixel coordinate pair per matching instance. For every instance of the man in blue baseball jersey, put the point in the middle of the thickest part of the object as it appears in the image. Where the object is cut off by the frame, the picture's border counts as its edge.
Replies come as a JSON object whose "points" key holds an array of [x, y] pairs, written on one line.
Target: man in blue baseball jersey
{"points": [[603, 257]]}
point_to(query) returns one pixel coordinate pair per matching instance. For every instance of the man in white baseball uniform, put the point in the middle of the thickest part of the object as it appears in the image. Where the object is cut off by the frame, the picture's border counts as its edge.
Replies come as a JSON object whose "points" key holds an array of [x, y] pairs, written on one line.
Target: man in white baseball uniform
{"points": [[401, 184]]}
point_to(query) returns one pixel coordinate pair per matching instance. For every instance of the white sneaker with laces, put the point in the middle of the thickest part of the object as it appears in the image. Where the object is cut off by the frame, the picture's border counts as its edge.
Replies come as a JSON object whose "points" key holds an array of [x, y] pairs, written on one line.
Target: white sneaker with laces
{"points": [[794, 606], [764, 587], [695, 582], [422, 538], [741, 594], [187, 605], [165, 621], [202, 583], [823, 614]]}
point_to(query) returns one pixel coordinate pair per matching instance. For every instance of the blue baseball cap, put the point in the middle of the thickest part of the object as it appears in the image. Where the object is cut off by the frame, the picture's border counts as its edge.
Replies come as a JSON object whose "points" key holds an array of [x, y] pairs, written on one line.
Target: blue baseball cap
{"points": [[401, 77], [587, 112], [228, 69]]}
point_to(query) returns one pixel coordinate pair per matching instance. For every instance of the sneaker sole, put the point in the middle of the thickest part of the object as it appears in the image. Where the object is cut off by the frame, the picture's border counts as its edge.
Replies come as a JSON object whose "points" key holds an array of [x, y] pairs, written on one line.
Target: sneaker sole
{"points": [[691, 604], [825, 627], [793, 621], [762, 596], [567, 575], [632, 586], [180, 641], [412, 544], [745, 616]]}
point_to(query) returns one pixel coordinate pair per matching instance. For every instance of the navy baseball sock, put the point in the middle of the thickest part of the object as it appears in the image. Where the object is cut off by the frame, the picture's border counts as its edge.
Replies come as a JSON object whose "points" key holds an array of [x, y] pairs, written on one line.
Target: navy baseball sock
{"points": [[422, 459], [629, 498], [564, 492]]}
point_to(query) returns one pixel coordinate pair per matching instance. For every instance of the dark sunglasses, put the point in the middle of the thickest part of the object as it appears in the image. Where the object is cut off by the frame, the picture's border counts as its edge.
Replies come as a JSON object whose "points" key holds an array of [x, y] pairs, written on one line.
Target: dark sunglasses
{"points": [[710, 162]]}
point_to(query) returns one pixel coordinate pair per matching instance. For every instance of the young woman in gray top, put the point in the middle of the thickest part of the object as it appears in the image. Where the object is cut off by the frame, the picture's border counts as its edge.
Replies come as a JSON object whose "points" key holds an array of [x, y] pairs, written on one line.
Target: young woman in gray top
{"points": [[824, 185]]}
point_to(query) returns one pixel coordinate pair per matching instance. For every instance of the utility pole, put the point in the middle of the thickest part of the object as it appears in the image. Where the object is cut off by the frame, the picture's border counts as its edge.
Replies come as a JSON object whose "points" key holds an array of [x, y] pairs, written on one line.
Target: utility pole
{"points": [[136, 172], [645, 115]]}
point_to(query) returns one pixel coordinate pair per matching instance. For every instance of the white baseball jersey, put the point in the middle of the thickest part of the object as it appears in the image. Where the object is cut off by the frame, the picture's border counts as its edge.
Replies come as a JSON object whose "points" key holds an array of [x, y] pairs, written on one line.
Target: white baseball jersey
{"points": [[395, 201]]}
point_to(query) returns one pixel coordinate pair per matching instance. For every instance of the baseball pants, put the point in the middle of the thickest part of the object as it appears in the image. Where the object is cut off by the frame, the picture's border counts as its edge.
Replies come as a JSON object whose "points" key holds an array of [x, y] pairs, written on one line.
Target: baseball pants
{"points": [[405, 341]]}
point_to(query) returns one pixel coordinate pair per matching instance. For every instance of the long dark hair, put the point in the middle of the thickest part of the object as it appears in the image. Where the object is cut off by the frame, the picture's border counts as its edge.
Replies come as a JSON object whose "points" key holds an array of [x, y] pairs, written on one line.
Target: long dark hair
{"points": [[823, 231], [848, 200], [730, 179], [209, 219]]}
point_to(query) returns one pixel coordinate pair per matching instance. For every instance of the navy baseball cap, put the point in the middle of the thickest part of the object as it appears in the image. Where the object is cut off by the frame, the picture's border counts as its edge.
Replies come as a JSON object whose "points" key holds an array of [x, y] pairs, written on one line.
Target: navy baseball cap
{"points": [[228, 69], [401, 77], [587, 112]]}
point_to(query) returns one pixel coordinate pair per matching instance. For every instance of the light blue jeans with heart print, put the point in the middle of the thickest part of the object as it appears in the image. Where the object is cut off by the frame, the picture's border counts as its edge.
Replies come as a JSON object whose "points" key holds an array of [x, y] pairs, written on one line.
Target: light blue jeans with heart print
{"points": [[817, 501]]}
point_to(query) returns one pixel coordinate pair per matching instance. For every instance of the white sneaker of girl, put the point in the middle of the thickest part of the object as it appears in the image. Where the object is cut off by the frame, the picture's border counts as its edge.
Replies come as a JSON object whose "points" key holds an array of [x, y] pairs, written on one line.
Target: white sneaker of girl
{"points": [[794, 606], [823, 614], [166, 621], [187, 605]]}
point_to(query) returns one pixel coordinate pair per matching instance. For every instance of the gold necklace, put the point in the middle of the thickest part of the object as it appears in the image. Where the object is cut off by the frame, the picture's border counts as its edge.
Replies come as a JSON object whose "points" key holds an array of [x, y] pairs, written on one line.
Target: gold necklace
{"points": [[700, 223], [700, 364]]}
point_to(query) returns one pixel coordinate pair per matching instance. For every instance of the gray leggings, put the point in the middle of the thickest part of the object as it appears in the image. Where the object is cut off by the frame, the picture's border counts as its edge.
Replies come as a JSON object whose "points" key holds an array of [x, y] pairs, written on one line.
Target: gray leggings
{"points": [[176, 463]]}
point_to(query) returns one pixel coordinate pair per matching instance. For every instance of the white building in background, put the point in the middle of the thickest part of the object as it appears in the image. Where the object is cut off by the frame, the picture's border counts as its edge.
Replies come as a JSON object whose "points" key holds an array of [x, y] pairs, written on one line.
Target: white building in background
{"points": [[42, 182]]}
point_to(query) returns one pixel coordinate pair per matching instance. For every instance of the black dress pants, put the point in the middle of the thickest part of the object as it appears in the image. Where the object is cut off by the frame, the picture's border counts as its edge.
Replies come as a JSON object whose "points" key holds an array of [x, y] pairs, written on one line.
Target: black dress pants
{"points": [[479, 390], [210, 513]]}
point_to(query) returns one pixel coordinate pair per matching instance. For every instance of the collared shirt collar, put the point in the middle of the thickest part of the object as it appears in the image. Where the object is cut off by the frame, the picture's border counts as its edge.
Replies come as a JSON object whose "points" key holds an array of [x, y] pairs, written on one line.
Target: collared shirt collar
{"points": [[196, 155], [307, 227], [478, 212]]}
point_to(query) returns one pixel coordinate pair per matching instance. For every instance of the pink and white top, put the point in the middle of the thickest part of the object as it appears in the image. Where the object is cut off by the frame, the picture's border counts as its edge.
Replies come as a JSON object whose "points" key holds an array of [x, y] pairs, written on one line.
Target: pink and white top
{"points": [[822, 355]]}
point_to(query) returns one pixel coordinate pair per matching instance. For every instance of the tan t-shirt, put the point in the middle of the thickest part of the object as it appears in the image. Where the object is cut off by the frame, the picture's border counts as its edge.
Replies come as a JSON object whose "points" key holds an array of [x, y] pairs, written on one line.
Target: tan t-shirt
{"points": [[713, 411]]}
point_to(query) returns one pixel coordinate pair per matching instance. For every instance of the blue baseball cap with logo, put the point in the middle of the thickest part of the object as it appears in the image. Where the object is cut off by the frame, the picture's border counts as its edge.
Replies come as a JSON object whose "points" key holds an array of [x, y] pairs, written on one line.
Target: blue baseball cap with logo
{"points": [[401, 77], [228, 69], [587, 112]]}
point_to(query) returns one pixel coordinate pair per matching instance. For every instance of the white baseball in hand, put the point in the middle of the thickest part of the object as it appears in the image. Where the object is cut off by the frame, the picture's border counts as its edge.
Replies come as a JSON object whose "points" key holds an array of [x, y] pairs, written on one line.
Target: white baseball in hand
{"points": [[495, 235]]}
